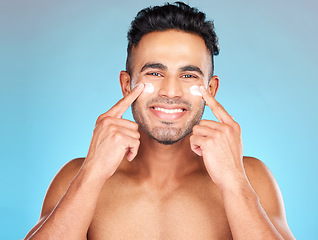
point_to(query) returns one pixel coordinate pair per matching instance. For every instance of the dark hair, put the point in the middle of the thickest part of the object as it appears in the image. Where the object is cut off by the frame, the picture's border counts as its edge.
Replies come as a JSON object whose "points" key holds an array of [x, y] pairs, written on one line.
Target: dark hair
{"points": [[171, 16]]}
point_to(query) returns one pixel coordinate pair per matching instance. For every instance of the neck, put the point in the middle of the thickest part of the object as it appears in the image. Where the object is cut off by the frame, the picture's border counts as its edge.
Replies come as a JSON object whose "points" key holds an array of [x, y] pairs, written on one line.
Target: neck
{"points": [[165, 163]]}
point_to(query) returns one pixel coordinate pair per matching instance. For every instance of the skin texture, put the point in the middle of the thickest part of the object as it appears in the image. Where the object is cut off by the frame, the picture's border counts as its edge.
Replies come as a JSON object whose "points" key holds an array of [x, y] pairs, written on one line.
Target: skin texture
{"points": [[130, 186]]}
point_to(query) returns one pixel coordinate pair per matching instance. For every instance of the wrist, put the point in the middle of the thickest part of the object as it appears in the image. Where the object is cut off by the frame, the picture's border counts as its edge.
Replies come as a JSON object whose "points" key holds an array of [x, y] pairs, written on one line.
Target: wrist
{"points": [[92, 173], [238, 186]]}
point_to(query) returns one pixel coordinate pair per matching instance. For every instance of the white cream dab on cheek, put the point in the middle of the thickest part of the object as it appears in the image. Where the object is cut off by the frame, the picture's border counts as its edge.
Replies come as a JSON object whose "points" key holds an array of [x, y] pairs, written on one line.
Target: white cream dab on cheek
{"points": [[149, 88], [195, 90]]}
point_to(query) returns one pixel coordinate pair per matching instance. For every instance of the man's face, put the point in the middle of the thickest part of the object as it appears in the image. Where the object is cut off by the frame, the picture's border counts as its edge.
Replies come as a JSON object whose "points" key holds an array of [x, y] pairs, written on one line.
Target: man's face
{"points": [[172, 61]]}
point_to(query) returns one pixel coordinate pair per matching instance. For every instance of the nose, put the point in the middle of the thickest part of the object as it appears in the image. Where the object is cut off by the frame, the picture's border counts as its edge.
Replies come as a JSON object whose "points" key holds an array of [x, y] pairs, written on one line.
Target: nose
{"points": [[171, 87]]}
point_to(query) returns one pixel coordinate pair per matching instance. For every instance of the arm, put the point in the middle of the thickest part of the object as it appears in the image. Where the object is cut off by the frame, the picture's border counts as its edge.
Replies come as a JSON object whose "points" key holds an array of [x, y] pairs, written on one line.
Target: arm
{"points": [[254, 206], [70, 203], [252, 214]]}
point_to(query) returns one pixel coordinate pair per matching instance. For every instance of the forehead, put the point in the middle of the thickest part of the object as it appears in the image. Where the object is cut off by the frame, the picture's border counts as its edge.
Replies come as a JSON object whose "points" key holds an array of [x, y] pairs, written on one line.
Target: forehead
{"points": [[174, 49]]}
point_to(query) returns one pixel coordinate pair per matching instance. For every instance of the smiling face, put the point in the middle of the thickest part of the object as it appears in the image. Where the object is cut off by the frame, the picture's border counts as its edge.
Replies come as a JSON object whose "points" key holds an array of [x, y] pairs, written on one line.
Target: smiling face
{"points": [[172, 61]]}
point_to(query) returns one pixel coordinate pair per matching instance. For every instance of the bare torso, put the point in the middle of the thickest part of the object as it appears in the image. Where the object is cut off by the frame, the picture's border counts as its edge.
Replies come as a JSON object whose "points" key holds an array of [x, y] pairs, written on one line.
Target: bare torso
{"points": [[130, 208], [133, 205]]}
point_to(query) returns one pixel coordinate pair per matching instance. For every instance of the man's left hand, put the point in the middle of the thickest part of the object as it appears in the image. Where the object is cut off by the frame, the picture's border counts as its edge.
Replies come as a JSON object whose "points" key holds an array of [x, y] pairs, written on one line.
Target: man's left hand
{"points": [[220, 144]]}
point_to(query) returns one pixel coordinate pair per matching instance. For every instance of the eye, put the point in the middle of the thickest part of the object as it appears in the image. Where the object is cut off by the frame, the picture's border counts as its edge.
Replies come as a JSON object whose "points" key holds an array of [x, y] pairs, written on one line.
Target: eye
{"points": [[189, 76], [154, 74]]}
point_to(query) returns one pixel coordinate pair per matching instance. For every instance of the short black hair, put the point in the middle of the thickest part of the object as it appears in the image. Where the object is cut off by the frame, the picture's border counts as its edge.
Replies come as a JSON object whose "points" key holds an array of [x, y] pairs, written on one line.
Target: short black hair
{"points": [[171, 16]]}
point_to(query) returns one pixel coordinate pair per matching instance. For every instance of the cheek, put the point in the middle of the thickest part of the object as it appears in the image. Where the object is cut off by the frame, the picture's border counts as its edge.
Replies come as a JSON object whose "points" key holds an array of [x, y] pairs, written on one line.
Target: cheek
{"points": [[194, 95], [149, 88], [195, 90], [147, 93], [144, 97]]}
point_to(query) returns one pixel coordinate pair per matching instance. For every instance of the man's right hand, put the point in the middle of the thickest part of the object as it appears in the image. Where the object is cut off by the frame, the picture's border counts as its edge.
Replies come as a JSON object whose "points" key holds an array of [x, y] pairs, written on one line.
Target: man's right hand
{"points": [[71, 199], [114, 137]]}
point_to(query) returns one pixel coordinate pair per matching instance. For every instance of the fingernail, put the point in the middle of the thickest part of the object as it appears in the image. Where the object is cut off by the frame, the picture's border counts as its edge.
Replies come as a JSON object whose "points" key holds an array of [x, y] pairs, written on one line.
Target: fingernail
{"points": [[139, 86], [203, 89]]}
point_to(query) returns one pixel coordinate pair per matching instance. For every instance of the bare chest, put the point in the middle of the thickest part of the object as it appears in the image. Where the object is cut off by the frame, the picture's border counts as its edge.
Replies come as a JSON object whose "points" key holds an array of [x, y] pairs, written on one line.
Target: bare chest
{"points": [[186, 213]]}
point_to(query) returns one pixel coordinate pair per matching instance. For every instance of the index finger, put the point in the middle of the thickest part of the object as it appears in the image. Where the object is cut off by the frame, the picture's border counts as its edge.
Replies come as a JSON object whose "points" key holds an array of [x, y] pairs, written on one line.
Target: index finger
{"points": [[123, 104], [217, 109]]}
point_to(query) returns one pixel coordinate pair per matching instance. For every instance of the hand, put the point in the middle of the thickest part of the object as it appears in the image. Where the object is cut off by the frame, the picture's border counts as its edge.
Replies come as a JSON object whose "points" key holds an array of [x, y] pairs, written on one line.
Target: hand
{"points": [[114, 137], [219, 143]]}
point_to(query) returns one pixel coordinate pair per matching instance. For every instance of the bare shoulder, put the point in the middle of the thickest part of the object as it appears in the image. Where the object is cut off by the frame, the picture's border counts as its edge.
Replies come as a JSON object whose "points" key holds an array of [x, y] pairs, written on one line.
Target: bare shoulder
{"points": [[60, 184], [262, 181], [57, 189], [256, 169], [259, 175], [268, 192]]}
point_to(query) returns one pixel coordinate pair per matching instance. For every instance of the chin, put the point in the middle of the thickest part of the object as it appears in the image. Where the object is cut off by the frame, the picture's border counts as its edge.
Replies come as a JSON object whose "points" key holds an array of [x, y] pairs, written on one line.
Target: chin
{"points": [[166, 136], [167, 141]]}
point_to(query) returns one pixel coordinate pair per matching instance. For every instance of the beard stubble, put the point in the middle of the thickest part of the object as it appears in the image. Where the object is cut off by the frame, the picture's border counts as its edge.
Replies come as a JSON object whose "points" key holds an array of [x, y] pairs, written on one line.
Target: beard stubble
{"points": [[167, 134]]}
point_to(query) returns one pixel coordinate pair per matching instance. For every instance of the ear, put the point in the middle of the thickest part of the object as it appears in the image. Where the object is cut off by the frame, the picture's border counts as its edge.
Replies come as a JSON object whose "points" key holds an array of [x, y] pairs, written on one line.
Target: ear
{"points": [[124, 79], [213, 85]]}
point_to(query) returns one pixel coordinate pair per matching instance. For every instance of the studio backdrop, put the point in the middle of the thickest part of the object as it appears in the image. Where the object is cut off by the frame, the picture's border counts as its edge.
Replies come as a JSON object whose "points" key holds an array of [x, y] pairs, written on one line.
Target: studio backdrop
{"points": [[59, 68]]}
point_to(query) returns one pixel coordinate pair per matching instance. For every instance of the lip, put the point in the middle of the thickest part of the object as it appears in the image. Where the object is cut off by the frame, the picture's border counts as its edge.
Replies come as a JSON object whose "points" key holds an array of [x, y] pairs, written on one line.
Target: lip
{"points": [[169, 106], [157, 110]]}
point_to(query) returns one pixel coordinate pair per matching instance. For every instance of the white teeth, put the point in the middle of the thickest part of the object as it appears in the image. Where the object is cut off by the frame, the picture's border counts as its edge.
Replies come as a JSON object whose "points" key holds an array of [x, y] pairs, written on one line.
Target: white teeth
{"points": [[168, 110]]}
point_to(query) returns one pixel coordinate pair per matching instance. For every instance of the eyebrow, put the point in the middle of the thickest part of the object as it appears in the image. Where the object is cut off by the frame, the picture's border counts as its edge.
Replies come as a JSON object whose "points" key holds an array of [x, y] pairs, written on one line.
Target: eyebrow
{"points": [[192, 68], [153, 66], [160, 66]]}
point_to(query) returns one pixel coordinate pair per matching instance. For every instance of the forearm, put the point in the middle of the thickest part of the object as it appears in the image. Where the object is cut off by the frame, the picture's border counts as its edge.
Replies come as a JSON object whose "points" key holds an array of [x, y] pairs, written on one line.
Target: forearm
{"points": [[72, 216], [246, 216]]}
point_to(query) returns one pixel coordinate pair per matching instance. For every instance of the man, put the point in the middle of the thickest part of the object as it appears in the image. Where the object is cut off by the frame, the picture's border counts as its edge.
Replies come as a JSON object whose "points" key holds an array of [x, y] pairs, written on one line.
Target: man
{"points": [[168, 175]]}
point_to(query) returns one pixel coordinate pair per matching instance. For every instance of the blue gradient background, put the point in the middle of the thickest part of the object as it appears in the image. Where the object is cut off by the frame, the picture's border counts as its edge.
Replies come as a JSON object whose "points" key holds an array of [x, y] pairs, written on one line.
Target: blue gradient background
{"points": [[60, 62]]}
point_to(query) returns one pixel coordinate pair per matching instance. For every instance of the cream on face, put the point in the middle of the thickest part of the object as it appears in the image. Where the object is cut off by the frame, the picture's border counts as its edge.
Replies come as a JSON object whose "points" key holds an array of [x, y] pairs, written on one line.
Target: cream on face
{"points": [[195, 90], [149, 88]]}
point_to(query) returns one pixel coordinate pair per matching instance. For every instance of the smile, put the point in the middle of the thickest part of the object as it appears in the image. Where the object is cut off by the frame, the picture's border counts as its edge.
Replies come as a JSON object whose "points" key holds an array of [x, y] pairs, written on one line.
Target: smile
{"points": [[177, 110], [168, 113]]}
